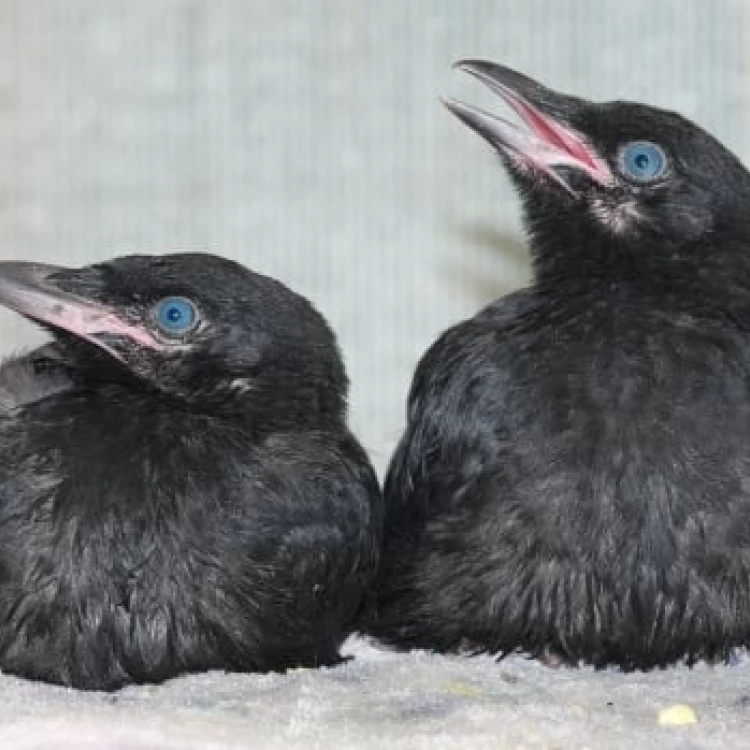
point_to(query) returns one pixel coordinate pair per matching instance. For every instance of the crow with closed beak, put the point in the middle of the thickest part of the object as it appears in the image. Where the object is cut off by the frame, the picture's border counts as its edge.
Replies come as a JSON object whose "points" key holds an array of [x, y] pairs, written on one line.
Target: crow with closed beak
{"points": [[179, 491], [574, 478]]}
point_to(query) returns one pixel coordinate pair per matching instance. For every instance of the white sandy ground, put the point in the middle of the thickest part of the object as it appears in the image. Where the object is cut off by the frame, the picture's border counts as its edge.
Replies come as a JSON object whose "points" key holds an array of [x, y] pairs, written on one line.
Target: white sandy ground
{"points": [[383, 700]]}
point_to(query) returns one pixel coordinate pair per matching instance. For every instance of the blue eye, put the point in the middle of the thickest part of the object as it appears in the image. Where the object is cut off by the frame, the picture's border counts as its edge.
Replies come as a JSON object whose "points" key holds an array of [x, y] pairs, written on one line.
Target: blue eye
{"points": [[176, 315], [643, 161]]}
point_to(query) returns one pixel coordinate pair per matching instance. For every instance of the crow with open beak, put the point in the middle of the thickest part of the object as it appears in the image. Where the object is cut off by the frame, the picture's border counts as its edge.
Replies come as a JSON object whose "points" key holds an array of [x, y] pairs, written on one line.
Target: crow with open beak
{"points": [[179, 491], [574, 478]]}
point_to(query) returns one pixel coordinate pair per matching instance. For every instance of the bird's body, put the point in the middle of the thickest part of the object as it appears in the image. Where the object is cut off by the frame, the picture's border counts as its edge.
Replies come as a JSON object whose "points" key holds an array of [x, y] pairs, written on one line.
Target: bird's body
{"points": [[148, 530], [574, 478]]}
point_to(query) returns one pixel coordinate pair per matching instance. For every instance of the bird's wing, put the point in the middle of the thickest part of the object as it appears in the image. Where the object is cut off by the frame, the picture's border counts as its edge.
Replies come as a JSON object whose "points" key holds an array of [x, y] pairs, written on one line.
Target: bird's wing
{"points": [[31, 377], [317, 521], [457, 407], [461, 418]]}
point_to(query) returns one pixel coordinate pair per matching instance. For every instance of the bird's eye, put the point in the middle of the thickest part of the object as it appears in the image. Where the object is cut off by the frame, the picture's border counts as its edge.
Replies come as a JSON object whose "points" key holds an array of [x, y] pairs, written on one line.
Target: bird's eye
{"points": [[176, 316], [642, 161]]}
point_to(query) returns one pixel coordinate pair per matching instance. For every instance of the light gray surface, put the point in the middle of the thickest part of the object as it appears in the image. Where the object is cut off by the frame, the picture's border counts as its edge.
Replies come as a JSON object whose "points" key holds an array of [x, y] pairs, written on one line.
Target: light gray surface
{"points": [[383, 700], [306, 139]]}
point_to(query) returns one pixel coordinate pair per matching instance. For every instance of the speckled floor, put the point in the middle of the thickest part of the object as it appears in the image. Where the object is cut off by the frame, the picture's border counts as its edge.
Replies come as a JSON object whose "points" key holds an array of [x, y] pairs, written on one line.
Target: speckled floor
{"points": [[386, 700]]}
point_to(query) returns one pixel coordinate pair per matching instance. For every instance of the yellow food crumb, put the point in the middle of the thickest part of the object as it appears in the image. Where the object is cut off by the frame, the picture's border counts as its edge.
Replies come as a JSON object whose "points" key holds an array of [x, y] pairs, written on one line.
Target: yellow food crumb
{"points": [[461, 688], [677, 715]]}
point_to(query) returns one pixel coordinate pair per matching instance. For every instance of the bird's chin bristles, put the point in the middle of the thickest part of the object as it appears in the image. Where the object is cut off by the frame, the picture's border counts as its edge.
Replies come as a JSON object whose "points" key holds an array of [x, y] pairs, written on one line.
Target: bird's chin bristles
{"points": [[182, 376], [617, 216], [241, 385]]}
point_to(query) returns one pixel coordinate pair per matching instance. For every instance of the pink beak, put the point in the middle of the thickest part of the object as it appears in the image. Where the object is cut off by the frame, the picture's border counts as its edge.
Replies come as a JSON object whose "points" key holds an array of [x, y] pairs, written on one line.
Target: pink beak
{"points": [[549, 143], [29, 289]]}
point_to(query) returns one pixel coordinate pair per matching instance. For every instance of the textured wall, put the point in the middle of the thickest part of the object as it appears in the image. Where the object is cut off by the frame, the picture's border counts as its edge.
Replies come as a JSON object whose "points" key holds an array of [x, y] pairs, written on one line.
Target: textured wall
{"points": [[305, 139]]}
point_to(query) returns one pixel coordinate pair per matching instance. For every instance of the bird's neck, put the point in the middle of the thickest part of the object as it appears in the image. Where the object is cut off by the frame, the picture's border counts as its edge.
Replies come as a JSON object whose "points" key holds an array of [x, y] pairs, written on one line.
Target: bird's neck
{"points": [[574, 257], [256, 413]]}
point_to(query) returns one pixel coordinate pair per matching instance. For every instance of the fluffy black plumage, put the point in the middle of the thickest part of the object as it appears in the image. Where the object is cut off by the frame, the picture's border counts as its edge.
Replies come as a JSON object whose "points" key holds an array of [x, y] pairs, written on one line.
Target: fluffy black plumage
{"points": [[178, 488], [574, 478]]}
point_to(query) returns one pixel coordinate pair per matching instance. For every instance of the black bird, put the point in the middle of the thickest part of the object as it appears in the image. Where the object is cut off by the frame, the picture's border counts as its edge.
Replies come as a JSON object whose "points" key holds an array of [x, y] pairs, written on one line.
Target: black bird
{"points": [[179, 490], [574, 478]]}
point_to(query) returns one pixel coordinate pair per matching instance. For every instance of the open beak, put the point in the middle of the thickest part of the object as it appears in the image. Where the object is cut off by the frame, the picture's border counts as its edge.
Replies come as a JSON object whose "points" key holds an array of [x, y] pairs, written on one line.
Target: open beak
{"points": [[30, 289], [549, 143]]}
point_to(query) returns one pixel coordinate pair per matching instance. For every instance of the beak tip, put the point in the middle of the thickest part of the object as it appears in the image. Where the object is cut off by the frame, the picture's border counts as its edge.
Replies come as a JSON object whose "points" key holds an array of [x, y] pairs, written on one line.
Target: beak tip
{"points": [[477, 68], [467, 63], [455, 107]]}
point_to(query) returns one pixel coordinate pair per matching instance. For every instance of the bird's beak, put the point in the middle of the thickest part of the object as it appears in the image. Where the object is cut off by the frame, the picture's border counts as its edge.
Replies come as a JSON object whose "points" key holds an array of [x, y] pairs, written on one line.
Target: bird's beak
{"points": [[30, 289], [549, 143]]}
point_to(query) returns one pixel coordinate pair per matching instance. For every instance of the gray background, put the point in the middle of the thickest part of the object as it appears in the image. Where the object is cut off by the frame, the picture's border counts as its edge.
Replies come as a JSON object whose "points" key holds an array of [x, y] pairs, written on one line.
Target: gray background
{"points": [[306, 139]]}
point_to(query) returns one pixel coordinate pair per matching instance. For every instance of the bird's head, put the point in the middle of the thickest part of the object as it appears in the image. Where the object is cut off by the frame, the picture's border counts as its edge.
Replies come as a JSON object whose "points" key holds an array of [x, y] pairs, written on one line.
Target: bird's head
{"points": [[611, 175], [195, 326]]}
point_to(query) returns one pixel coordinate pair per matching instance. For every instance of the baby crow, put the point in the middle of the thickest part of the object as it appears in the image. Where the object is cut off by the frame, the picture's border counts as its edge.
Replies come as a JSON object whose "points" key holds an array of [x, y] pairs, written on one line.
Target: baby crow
{"points": [[574, 478], [178, 488]]}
